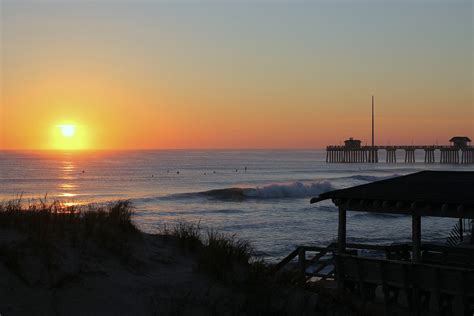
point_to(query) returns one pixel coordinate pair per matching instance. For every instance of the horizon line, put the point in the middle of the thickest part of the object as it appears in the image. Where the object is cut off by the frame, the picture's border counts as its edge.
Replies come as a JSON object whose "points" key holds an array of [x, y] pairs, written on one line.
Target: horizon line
{"points": [[170, 148]]}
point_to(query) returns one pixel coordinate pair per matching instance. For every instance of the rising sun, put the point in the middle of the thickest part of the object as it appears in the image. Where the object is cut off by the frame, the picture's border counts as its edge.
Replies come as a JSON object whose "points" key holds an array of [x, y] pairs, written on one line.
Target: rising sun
{"points": [[69, 135], [68, 130]]}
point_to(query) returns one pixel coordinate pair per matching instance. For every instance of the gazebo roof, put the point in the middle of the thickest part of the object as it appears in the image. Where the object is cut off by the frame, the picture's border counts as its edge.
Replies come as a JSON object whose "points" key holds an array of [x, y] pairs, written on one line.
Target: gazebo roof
{"points": [[426, 193], [460, 139]]}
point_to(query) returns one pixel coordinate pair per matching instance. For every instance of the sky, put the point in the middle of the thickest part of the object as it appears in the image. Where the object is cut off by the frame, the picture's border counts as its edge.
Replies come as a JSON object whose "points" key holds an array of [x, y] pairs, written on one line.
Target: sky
{"points": [[234, 74]]}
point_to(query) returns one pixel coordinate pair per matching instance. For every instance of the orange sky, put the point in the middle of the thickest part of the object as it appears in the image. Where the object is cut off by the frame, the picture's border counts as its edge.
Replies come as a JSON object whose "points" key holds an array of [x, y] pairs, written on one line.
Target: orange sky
{"points": [[141, 75]]}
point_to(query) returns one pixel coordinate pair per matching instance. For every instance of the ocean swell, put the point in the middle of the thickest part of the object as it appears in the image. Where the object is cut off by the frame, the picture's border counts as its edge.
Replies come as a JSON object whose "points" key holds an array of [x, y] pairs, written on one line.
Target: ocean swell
{"points": [[287, 190], [368, 178], [271, 191]]}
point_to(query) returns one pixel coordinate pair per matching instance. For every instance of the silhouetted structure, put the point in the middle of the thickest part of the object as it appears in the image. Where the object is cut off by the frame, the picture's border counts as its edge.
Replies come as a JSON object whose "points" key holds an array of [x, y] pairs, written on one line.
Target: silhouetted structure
{"points": [[352, 143], [460, 141], [429, 277], [460, 152], [352, 152]]}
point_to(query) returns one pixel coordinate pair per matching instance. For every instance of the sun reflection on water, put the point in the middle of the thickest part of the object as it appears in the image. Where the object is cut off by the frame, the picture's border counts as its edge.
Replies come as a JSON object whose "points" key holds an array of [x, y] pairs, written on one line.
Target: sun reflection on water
{"points": [[68, 175], [65, 194], [67, 186]]}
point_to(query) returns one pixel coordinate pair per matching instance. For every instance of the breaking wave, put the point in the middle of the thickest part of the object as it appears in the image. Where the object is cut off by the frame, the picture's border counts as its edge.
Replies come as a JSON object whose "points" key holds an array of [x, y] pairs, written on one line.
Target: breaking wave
{"points": [[289, 190], [296, 189], [271, 191], [368, 178]]}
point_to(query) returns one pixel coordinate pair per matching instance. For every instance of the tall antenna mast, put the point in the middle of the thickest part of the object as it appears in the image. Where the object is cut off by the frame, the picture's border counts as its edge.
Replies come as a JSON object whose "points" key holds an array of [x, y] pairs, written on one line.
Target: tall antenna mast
{"points": [[372, 121]]}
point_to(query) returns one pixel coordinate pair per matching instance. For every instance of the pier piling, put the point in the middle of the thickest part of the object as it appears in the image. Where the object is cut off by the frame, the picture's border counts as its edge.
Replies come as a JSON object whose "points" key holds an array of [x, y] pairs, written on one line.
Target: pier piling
{"points": [[410, 155], [391, 155]]}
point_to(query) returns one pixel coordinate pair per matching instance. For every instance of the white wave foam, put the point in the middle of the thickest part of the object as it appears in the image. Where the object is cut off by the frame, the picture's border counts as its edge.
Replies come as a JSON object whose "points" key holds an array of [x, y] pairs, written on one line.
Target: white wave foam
{"points": [[368, 178], [296, 189], [289, 190]]}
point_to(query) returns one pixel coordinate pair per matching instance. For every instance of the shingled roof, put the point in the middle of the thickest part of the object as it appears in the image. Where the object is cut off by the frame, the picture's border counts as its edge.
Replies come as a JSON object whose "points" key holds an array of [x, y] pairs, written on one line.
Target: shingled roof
{"points": [[427, 193]]}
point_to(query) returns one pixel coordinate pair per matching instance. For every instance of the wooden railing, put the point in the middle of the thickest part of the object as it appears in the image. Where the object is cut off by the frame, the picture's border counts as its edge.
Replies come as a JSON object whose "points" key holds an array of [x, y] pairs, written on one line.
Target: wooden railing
{"points": [[321, 263], [444, 279], [458, 233], [301, 252], [324, 256], [443, 289]]}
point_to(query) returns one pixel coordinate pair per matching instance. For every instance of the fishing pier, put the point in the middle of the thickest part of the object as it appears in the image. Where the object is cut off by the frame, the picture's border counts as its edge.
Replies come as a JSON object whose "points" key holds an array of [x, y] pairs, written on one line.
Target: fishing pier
{"points": [[459, 152]]}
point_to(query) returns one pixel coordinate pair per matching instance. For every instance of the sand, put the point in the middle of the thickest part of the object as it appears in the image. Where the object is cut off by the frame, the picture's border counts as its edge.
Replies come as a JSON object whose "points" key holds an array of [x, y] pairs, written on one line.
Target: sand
{"points": [[155, 277]]}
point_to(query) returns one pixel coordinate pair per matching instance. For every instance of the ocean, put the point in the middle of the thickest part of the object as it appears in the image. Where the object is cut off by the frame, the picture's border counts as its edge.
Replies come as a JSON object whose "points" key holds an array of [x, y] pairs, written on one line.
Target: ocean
{"points": [[258, 195]]}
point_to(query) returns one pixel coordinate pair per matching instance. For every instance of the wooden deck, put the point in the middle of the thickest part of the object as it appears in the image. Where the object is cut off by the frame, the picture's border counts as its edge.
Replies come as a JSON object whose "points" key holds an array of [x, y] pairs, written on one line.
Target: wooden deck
{"points": [[432, 278], [442, 283], [425, 287]]}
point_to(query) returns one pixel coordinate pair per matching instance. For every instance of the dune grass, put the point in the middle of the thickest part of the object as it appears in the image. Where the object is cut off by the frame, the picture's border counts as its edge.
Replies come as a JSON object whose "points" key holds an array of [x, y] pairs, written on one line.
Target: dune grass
{"points": [[188, 235], [222, 256], [109, 226], [42, 222], [50, 234], [232, 261], [50, 230]]}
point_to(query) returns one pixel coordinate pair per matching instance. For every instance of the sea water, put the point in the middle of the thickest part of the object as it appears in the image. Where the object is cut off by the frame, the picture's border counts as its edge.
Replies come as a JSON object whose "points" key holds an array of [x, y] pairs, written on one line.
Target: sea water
{"points": [[258, 195]]}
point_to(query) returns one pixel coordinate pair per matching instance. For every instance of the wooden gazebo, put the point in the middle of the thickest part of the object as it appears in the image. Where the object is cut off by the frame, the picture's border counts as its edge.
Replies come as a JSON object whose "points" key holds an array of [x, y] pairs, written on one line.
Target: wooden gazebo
{"points": [[432, 277], [426, 193]]}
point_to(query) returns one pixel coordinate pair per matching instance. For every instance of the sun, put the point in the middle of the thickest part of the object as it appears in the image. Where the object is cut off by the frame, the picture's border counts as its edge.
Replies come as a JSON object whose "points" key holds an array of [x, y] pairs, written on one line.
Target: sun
{"points": [[67, 130], [69, 135]]}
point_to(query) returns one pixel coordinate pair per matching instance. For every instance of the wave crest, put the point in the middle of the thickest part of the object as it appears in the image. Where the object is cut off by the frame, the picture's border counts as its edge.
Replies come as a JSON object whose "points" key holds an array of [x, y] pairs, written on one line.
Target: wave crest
{"points": [[290, 190], [369, 178], [296, 189], [271, 191]]}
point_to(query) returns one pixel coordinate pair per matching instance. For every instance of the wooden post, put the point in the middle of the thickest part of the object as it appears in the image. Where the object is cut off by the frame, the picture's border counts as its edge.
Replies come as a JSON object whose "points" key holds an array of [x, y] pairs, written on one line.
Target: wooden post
{"points": [[341, 247], [416, 238], [341, 235], [302, 260], [472, 231]]}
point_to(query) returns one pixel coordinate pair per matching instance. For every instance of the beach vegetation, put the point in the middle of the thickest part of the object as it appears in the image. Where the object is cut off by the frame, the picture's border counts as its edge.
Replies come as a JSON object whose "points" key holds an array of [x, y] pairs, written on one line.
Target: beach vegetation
{"points": [[42, 221], [222, 256], [54, 246], [38, 237]]}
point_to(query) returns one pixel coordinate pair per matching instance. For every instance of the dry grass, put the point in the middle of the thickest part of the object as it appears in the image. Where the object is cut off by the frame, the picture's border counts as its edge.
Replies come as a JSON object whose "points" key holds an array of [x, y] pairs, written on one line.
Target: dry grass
{"points": [[222, 256], [52, 234], [56, 236], [188, 235], [231, 261], [42, 222], [226, 258]]}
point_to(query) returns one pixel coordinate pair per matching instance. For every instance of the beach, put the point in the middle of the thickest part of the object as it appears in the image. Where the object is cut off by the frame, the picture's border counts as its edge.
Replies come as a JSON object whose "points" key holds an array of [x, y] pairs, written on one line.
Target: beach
{"points": [[236, 157], [91, 260]]}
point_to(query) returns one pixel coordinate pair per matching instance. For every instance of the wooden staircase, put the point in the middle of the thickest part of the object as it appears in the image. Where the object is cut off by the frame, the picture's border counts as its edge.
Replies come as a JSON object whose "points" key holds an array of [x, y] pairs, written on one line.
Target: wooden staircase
{"points": [[313, 261], [459, 232]]}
